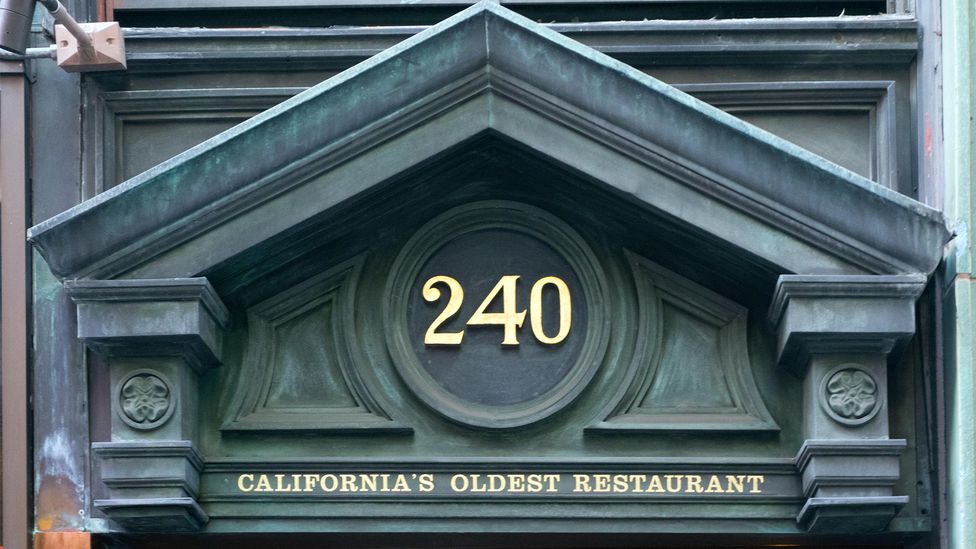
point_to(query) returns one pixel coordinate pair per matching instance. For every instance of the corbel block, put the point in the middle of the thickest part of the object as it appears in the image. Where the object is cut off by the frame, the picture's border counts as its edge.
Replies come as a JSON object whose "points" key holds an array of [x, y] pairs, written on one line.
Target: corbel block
{"points": [[849, 484], [841, 468], [850, 515], [160, 515], [150, 318], [871, 314], [152, 486]]}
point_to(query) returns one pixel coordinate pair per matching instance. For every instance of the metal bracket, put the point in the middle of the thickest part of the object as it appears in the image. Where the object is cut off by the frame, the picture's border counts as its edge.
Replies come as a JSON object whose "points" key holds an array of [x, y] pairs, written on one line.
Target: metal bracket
{"points": [[106, 52]]}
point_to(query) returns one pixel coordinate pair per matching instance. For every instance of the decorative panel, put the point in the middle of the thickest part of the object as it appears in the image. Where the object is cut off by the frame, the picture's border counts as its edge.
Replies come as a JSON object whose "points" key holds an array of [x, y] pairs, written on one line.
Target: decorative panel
{"points": [[303, 370], [691, 371], [136, 130], [490, 382], [851, 123]]}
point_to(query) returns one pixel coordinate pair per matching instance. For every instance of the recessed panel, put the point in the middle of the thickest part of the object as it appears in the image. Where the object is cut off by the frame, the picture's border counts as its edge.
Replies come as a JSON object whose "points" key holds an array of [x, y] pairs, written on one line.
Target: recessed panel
{"points": [[482, 369], [496, 314]]}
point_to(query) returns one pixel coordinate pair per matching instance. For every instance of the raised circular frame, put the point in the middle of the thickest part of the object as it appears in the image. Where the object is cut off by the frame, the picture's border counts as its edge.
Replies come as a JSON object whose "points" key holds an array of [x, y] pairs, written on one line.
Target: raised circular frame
{"points": [[825, 396], [171, 405], [512, 216]]}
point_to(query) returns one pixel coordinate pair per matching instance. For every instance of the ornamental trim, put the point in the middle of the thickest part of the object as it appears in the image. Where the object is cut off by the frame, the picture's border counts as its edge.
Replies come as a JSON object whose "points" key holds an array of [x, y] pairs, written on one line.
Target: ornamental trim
{"points": [[850, 394], [145, 399]]}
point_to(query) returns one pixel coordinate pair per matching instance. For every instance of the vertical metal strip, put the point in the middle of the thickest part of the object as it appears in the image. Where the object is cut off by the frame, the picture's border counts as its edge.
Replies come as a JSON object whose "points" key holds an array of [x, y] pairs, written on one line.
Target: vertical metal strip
{"points": [[929, 70], [959, 99], [14, 367]]}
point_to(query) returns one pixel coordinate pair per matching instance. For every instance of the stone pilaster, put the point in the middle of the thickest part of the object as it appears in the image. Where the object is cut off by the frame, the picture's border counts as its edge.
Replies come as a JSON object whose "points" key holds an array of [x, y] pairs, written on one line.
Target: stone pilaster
{"points": [[837, 334], [157, 336]]}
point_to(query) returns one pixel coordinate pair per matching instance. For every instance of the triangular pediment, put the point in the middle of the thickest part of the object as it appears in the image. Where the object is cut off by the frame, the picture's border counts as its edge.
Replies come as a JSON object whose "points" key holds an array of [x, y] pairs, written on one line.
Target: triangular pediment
{"points": [[490, 74]]}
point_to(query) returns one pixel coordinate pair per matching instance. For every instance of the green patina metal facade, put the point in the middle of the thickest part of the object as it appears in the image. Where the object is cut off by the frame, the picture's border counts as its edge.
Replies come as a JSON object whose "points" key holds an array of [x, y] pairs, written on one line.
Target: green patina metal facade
{"points": [[768, 341]]}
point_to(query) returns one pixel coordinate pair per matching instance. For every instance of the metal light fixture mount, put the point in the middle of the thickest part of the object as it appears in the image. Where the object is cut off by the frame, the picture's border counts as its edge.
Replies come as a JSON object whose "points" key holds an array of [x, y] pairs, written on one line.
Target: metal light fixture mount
{"points": [[104, 51]]}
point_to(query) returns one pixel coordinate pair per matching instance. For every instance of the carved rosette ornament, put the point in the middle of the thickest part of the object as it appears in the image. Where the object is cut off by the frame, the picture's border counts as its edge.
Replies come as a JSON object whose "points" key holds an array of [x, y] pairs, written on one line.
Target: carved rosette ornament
{"points": [[850, 394], [145, 400], [853, 393]]}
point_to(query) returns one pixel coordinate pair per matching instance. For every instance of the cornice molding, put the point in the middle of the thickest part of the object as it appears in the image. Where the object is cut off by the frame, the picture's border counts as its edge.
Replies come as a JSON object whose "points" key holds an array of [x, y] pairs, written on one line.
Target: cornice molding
{"points": [[880, 39], [487, 70]]}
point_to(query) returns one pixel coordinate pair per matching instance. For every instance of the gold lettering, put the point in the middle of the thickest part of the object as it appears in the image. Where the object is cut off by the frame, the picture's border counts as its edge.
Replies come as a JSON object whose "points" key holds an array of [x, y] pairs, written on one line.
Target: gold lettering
{"points": [[508, 318], [426, 482], [552, 481], [310, 481], [250, 482], [496, 483], [756, 480], [516, 483], [714, 485], [368, 482], [477, 485], [401, 484], [601, 483], [329, 483], [735, 484], [433, 337], [673, 487], [264, 485], [459, 483], [638, 481], [565, 310], [582, 483], [501, 483], [348, 483]]}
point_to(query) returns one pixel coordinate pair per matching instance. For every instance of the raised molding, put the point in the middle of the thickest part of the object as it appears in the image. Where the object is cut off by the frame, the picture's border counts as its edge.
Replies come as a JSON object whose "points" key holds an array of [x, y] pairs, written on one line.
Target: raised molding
{"points": [[729, 366], [848, 462], [152, 486], [519, 218], [849, 515], [154, 514], [839, 313], [150, 290], [467, 100], [151, 317], [332, 294], [819, 41]]}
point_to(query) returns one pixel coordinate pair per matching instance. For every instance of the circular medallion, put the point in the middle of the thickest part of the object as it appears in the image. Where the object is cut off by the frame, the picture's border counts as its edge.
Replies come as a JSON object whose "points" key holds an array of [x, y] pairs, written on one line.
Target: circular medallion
{"points": [[850, 395], [497, 314], [145, 399]]}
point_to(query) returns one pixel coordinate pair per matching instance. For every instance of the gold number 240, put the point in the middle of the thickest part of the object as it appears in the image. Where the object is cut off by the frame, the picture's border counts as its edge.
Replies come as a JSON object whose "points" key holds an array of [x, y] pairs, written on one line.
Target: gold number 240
{"points": [[510, 319]]}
